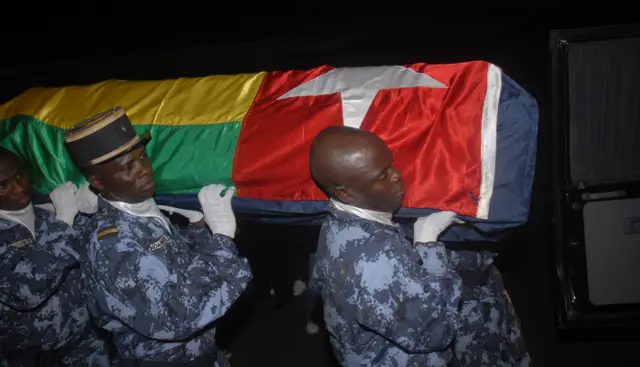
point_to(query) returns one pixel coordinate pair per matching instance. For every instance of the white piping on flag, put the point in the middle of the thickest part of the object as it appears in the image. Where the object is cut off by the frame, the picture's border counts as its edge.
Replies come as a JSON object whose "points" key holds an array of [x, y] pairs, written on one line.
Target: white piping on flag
{"points": [[488, 142]]}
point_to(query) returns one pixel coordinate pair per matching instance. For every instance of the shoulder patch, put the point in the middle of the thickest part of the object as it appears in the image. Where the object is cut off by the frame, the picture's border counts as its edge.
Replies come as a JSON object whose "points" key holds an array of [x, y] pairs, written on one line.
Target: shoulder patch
{"points": [[107, 232]]}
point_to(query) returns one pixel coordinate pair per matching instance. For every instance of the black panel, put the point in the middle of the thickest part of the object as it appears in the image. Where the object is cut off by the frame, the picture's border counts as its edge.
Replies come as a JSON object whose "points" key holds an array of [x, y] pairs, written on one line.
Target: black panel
{"points": [[604, 111], [596, 110]]}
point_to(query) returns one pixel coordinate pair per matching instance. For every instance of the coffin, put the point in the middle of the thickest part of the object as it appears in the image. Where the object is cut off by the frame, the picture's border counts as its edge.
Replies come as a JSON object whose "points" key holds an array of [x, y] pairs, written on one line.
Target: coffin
{"points": [[464, 135]]}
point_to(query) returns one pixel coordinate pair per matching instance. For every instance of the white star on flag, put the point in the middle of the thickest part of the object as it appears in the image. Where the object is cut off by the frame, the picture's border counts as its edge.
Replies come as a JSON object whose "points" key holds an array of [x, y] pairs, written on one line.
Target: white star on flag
{"points": [[358, 86]]}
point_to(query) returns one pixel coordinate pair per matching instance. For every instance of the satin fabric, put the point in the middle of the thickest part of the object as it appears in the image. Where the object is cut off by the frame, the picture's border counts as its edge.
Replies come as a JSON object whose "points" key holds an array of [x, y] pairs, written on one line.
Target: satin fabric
{"points": [[435, 134], [212, 99], [184, 158]]}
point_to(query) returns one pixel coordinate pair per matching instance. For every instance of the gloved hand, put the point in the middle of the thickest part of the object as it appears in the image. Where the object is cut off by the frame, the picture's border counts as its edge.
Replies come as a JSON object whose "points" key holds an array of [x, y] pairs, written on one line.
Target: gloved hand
{"points": [[192, 215], [63, 199], [428, 229], [217, 209], [86, 199]]}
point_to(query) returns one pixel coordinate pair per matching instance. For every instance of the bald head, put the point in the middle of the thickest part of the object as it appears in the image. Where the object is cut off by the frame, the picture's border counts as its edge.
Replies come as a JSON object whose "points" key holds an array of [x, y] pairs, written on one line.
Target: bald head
{"points": [[338, 152], [14, 182], [355, 166]]}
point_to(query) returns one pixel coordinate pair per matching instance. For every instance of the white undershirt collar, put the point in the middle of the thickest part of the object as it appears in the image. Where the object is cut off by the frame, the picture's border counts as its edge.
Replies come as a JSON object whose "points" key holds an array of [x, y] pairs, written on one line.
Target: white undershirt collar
{"points": [[25, 217], [147, 208], [380, 217]]}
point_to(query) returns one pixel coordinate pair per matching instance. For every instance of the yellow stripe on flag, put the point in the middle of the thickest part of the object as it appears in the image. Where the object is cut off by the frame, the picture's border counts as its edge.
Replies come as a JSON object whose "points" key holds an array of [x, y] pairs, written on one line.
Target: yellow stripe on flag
{"points": [[184, 101]]}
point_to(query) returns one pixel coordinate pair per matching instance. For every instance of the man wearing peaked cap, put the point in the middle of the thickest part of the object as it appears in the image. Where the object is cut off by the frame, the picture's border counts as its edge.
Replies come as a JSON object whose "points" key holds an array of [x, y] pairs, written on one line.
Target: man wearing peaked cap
{"points": [[102, 137], [157, 288]]}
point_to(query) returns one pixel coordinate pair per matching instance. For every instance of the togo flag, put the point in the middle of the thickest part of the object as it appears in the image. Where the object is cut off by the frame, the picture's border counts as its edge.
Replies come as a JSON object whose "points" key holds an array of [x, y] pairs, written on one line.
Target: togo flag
{"points": [[464, 135]]}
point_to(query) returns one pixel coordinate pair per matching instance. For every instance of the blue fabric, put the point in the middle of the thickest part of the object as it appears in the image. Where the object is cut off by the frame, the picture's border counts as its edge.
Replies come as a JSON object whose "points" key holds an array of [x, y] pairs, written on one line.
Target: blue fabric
{"points": [[517, 142], [489, 333], [42, 303], [384, 303], [459, 315]]}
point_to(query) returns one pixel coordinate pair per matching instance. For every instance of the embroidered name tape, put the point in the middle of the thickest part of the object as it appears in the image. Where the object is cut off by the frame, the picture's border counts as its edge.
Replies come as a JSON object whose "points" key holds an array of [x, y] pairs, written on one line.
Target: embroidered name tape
{"points": [[159, 244], [21, 243]]}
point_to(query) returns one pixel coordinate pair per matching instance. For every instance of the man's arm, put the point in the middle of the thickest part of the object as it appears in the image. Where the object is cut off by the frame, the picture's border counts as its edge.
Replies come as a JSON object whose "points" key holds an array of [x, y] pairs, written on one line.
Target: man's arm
{"points": [[195, 233], [195, 228], [408, 305], [315, 282], [471, 265], [81, 223], [31, 274], [168, 293]]}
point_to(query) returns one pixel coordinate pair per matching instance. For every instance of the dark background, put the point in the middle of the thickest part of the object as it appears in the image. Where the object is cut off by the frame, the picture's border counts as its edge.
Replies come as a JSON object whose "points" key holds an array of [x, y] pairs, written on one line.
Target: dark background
{"points": [[268, 335]]}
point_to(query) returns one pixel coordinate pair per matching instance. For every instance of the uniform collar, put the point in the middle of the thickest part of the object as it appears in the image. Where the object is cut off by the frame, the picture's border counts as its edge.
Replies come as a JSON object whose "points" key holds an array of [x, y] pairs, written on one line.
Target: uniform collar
{"points": [[25, 217], [147, 208], [380, 217]]}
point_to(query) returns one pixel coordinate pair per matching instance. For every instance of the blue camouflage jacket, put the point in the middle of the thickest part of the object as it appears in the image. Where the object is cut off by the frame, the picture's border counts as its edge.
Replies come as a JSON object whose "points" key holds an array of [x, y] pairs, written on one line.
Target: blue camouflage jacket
{"points": [[42, 303], [384, 304], [158, 291], [489, 333]]}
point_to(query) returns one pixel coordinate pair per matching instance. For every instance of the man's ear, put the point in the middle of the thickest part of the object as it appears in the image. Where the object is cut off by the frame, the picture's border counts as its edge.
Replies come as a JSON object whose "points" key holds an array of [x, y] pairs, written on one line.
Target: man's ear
{"points": [[95, 182], [343, 194]]}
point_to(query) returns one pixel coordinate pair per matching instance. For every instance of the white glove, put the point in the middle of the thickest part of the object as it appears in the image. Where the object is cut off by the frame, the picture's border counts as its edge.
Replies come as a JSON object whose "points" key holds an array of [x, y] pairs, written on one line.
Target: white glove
{"points": [[192, 215], [217, 209], [63, 199], [428, 229], [86, 199]]}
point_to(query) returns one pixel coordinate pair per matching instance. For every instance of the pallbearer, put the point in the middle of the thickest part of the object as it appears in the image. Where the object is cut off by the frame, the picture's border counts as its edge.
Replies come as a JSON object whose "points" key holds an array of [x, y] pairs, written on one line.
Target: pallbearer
{"points": [[156, 288]]}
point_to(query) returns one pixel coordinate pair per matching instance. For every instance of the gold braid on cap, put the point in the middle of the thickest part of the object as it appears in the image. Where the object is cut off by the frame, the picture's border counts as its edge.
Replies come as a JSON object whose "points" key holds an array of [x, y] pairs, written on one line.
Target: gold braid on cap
{"points": [[125, 147], [93, 124]]}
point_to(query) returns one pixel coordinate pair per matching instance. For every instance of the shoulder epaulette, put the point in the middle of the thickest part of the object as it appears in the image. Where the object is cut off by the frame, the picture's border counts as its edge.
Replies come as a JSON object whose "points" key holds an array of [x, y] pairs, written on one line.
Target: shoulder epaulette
{"points": [[107, 232]]}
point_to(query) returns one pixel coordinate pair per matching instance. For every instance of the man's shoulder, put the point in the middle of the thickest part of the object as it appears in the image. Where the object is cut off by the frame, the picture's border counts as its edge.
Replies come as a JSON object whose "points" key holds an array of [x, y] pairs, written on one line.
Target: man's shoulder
{"points": [[357, 242], [47, 222], [130, 233], [358, 231], [104, 225], [48, 218], [108, 240], [341, 226], [43, 214]]}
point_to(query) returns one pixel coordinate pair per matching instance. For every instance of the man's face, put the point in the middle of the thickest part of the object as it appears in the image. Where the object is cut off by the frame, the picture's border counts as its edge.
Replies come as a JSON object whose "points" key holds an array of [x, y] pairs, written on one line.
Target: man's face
{"points": [[14, 184], [373, 183], [128, 178]]}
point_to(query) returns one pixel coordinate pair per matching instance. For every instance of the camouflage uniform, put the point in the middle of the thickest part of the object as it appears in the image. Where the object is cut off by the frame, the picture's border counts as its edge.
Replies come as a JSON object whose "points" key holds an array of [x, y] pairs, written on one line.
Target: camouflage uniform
{"points": [[42, 304], [384, 305], [159, 291], [489, 333]]}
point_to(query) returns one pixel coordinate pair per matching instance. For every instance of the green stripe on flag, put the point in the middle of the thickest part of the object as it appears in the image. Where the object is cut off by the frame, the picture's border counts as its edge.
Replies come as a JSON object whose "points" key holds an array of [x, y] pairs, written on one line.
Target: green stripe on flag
{"points": [[185, 158]]}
